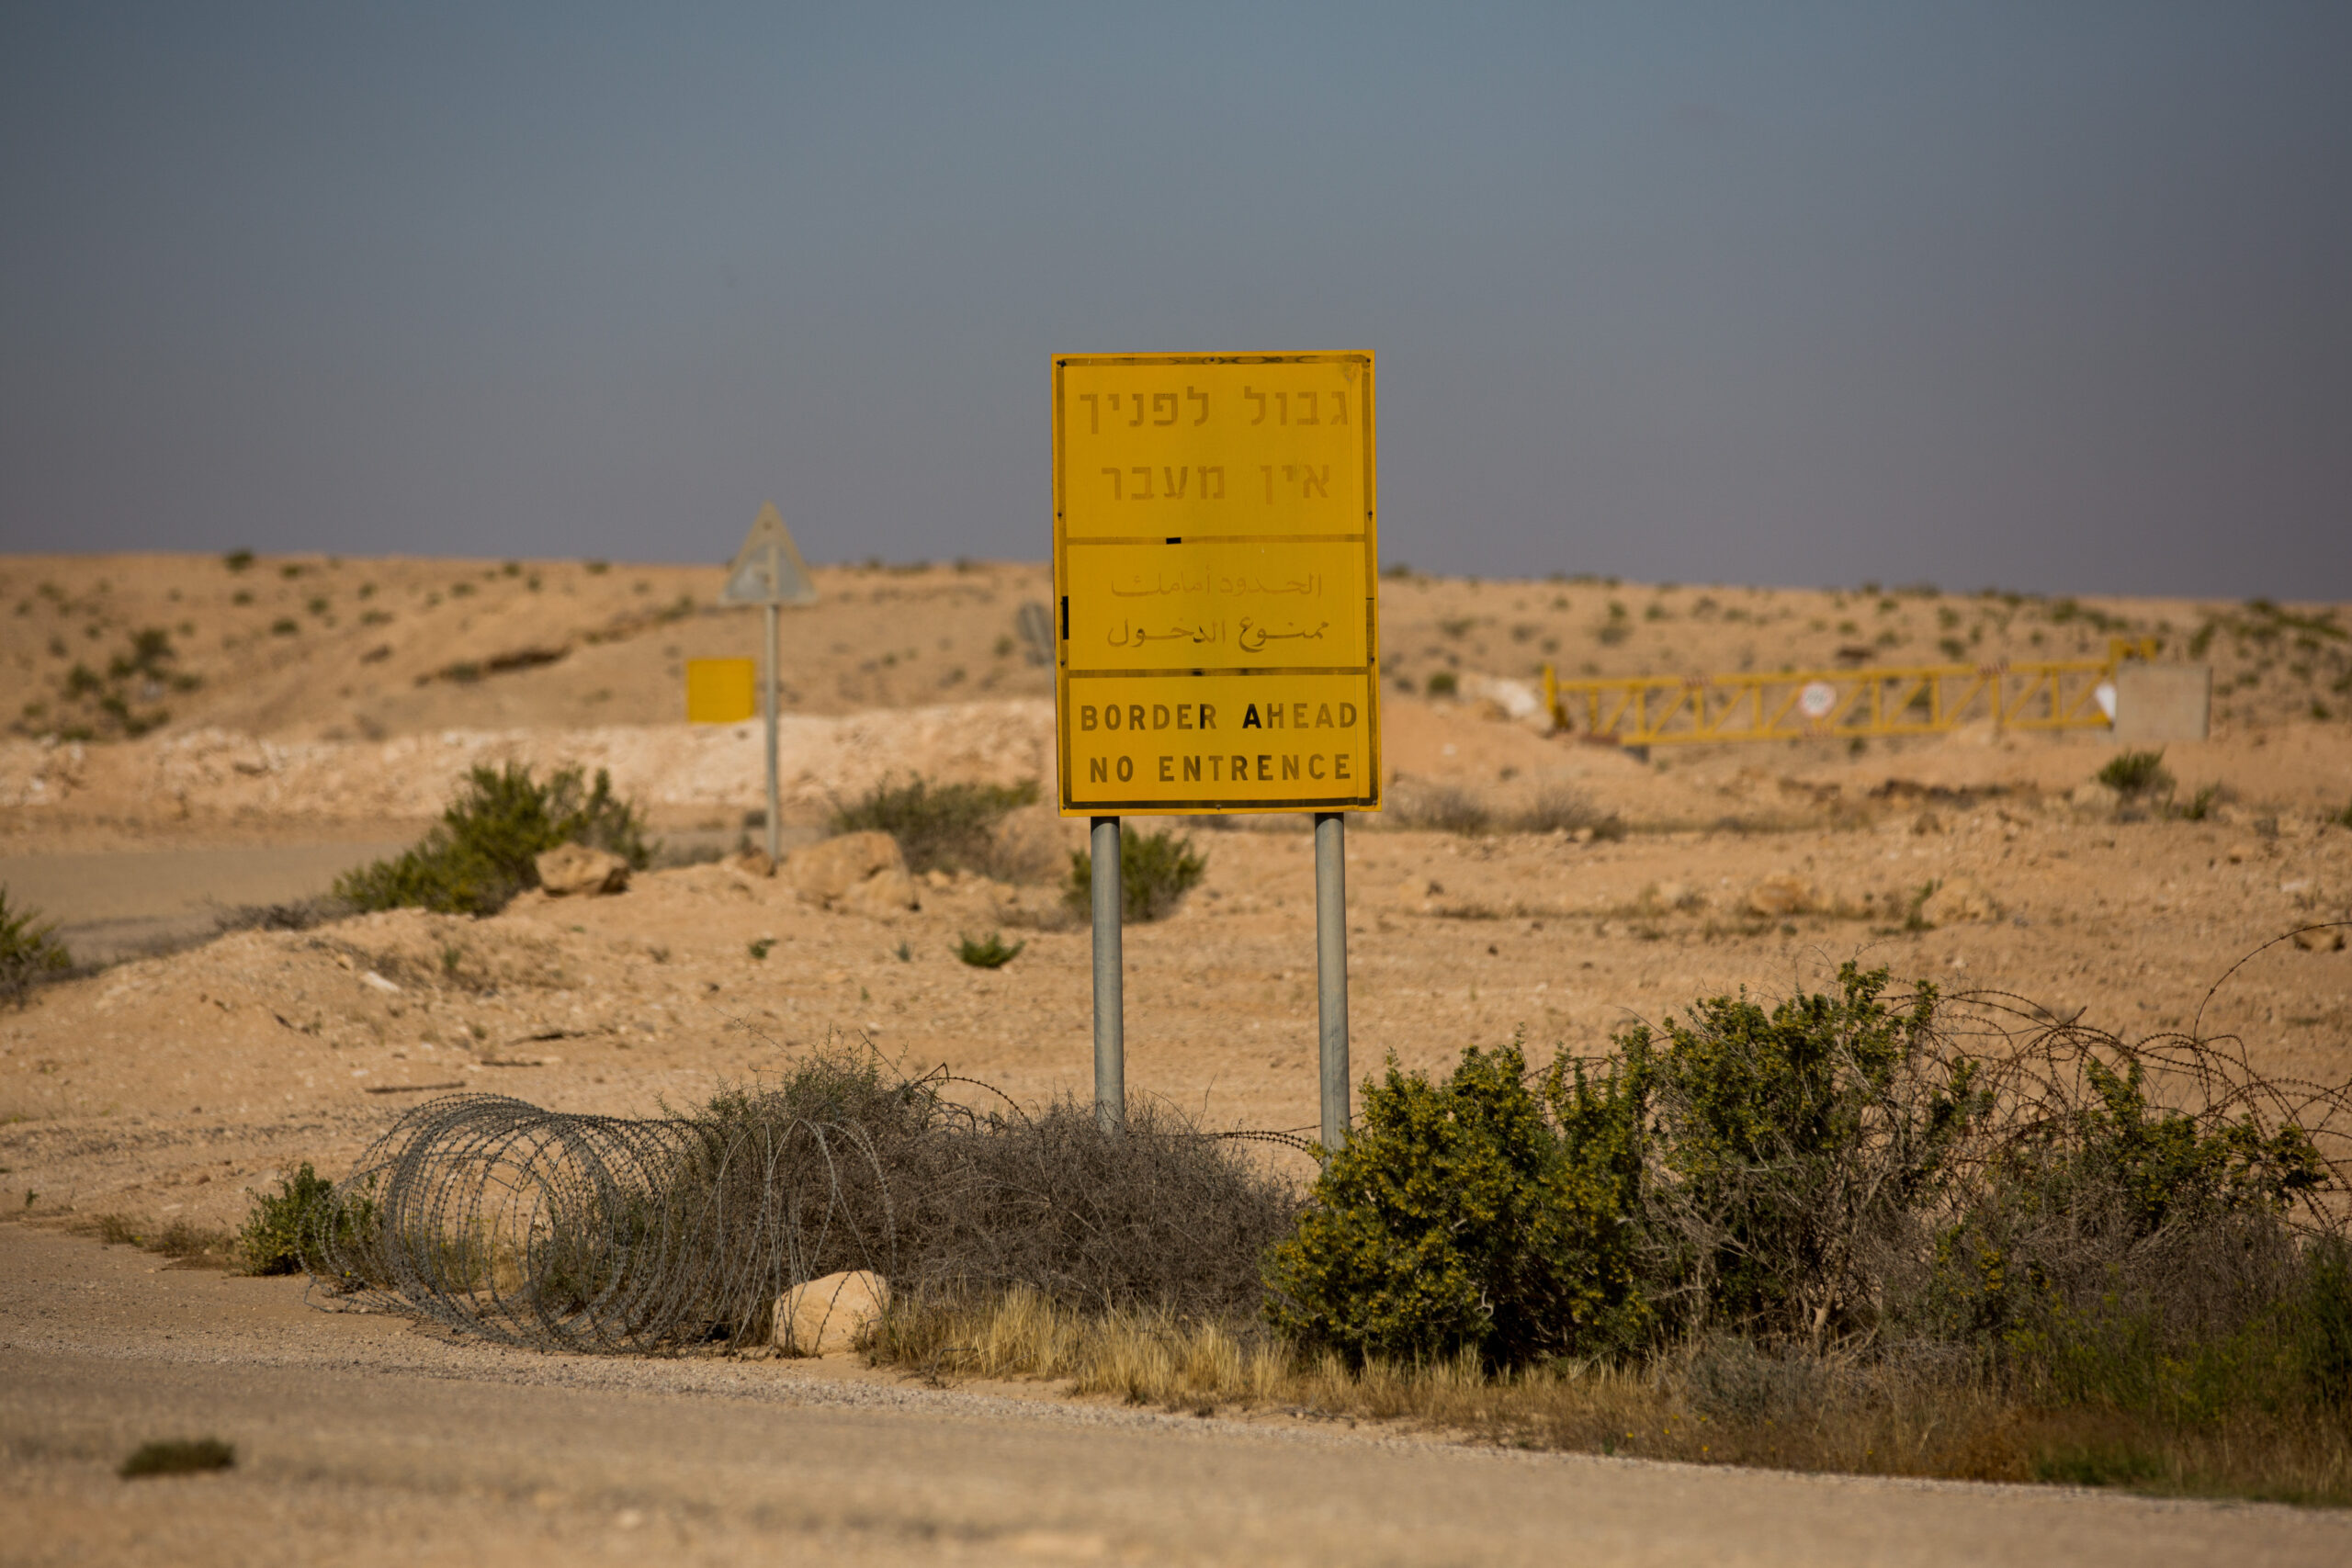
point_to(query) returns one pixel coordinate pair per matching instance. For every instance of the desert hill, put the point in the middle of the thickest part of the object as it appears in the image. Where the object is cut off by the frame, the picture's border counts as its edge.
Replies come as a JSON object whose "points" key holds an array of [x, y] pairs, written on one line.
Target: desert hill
{"points": [[324, 648]]}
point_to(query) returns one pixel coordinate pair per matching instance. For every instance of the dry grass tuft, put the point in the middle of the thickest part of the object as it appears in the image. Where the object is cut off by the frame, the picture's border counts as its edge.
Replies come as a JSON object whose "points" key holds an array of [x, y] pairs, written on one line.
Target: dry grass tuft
{"points": [[1725, 1402]]}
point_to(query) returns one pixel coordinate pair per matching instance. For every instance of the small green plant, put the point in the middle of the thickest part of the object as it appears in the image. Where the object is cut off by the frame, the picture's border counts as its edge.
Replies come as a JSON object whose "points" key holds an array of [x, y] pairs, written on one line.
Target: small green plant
{"points": [[1155, 874], [759, 949], [283, 1230], [480, 853], [179, 1456], [1442, 684], [939, 827], [29, 952], [989, 954], [2132, 775]]}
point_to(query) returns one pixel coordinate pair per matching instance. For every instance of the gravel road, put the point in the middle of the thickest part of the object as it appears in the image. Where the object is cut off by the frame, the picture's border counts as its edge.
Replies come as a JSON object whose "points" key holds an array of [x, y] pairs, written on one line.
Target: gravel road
{"points": [[362, 1440]]}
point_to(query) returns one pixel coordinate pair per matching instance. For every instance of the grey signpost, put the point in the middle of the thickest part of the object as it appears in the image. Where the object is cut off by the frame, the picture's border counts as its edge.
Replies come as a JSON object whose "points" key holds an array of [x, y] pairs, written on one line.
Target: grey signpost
{"points": [[768, 571], [1110, 997], [1331, 972]]}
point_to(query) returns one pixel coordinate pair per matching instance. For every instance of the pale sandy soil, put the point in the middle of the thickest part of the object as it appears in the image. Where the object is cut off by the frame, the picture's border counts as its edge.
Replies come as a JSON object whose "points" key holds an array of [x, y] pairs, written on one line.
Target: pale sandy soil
{"points": [[360, 1440], [164, 1086]]}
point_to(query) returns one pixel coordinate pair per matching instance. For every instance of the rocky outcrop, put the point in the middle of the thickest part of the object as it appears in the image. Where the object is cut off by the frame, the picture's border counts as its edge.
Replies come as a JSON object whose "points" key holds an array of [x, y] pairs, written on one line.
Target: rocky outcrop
{"points": [[861, 873]]}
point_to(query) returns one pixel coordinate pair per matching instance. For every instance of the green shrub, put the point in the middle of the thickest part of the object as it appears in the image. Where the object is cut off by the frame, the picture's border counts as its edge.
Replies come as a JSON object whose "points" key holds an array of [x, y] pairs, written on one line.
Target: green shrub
{"points": [[1477, 1214], [1155, 874], [2132, 1349], [2323, 1324], [938, 826], [2112, 1235], [29, 952], [989, 954], [1791, 1145], [285, 1231], [178, 1458], [2135, 774], [479, 854]]}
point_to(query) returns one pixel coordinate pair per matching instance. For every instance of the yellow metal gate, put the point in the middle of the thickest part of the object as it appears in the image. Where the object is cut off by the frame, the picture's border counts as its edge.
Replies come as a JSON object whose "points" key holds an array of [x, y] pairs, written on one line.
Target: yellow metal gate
{"points": [[1792, 704]]}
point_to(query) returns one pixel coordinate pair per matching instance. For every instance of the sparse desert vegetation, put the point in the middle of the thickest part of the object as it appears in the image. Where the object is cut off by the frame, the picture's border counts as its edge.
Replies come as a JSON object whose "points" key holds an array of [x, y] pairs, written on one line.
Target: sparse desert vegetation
{"points": [[1891, 1273], [1156, 870], [29, 952]]}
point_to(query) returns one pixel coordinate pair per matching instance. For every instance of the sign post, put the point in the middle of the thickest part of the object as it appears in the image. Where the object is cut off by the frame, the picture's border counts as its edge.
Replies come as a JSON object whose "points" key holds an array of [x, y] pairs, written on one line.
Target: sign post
{"points": [[768, 571], [1215, 572]]}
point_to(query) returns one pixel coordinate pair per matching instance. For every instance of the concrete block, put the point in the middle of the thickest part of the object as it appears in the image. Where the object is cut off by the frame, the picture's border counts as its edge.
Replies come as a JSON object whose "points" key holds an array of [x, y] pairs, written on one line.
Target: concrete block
{"points": [[2163, 702]]}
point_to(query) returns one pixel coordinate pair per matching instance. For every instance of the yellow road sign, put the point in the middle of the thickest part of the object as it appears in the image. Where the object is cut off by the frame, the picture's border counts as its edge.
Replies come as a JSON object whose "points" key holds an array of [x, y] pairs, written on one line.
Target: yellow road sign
{"points": [[721, 691], [1215, 572]]}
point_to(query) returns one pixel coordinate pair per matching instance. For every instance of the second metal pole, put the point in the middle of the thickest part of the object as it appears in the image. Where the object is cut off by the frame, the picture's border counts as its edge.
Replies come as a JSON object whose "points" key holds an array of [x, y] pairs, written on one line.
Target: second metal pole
{"points": [[1109, 1008], [1331, 970], [768, 687]]}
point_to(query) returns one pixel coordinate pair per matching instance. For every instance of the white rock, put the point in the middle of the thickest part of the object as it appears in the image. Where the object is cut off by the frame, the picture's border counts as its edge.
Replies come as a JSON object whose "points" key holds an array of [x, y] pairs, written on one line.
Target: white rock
{"points": [[861, 873], [824, 872], [1784, 894], [889, 891], [569, 869], [828, 1316]]}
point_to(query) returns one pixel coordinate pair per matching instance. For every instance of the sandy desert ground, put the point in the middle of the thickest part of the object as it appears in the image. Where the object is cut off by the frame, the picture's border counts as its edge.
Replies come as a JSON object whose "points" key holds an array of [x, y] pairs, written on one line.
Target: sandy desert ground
{"points": [[311, 713]]}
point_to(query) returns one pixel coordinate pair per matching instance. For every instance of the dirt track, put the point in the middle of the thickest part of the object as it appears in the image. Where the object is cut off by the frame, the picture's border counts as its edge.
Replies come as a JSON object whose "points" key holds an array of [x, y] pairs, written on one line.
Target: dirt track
{"points": [[108, 904], [360, 1440]]}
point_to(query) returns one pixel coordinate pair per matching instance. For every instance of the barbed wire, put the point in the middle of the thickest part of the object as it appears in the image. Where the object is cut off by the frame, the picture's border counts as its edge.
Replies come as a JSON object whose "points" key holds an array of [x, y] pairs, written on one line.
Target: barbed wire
{"points": [[559, 1230]]}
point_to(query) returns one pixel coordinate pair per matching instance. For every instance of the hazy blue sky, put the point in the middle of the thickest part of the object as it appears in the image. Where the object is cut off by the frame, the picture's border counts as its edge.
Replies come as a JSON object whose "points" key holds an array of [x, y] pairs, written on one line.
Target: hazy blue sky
{"points": [[2053, 296]]}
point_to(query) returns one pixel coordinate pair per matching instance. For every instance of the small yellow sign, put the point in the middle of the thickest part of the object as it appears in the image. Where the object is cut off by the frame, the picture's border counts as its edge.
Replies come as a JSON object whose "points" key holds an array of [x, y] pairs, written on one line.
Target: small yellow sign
{"points": [[721, 691], [1216, 567]]}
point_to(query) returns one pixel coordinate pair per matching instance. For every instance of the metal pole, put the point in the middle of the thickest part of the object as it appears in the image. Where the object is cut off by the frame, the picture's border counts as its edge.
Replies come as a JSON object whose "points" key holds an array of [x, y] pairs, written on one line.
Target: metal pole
{"points": [[1331, 970], [768, 689], [1109, 1008]]}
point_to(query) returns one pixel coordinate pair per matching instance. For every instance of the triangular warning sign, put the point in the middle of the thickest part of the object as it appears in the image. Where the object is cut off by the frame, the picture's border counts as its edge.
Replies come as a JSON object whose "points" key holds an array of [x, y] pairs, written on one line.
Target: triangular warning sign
{"points": [[768, 568]]}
